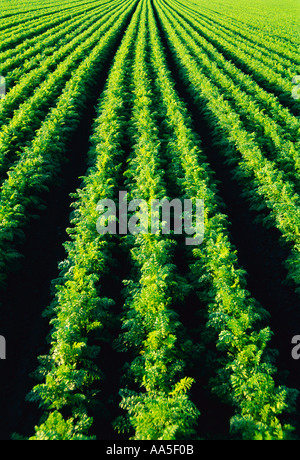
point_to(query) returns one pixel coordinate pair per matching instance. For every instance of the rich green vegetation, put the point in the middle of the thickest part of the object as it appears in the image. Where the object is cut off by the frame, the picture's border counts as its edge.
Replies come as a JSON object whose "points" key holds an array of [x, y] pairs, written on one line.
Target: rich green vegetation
{"points": [[150, 338]]}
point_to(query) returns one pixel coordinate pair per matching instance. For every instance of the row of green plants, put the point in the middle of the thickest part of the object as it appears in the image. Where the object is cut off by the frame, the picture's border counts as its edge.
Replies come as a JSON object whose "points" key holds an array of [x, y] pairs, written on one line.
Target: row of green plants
{"points": [[244, 371], [268, 192], [14, 21], [33, 71], [266, 99], [21, 10], [14, 37], [40, 162], [156, 397], [46, 82], [17, 61], [271, 21], [80, 313], [140, 112], [277, 49], [269, 135], [10, 17], [266, 71], [30, 41]]}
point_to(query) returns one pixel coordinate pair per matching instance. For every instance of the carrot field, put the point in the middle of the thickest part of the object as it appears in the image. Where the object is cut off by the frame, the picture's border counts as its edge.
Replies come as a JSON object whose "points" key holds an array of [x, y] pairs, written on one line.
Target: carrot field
{"points": [[117, 334]]}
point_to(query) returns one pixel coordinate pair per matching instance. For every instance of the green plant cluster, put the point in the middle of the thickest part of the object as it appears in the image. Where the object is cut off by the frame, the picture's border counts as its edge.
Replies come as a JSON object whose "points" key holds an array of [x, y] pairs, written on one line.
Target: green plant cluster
{"points": [[273, 127], [80, 311], [26, 117], [161, 408], [274, 70], [17, 61], [143, 140], [40, 162], [264, 184], [283, 119], [234, 318]]}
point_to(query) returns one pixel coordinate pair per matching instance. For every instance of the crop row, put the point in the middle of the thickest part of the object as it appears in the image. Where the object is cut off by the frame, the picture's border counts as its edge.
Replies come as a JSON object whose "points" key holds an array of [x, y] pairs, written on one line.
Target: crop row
{"points": [[19, 60], [266, 70], [130, 140], [266, 99], [79, 306], [161, 407], [25, 19], [266, 188], [274, 49], [39, 163], [274, 22], [11, 39], [259, 111], [232, 315], [28, 116]]}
